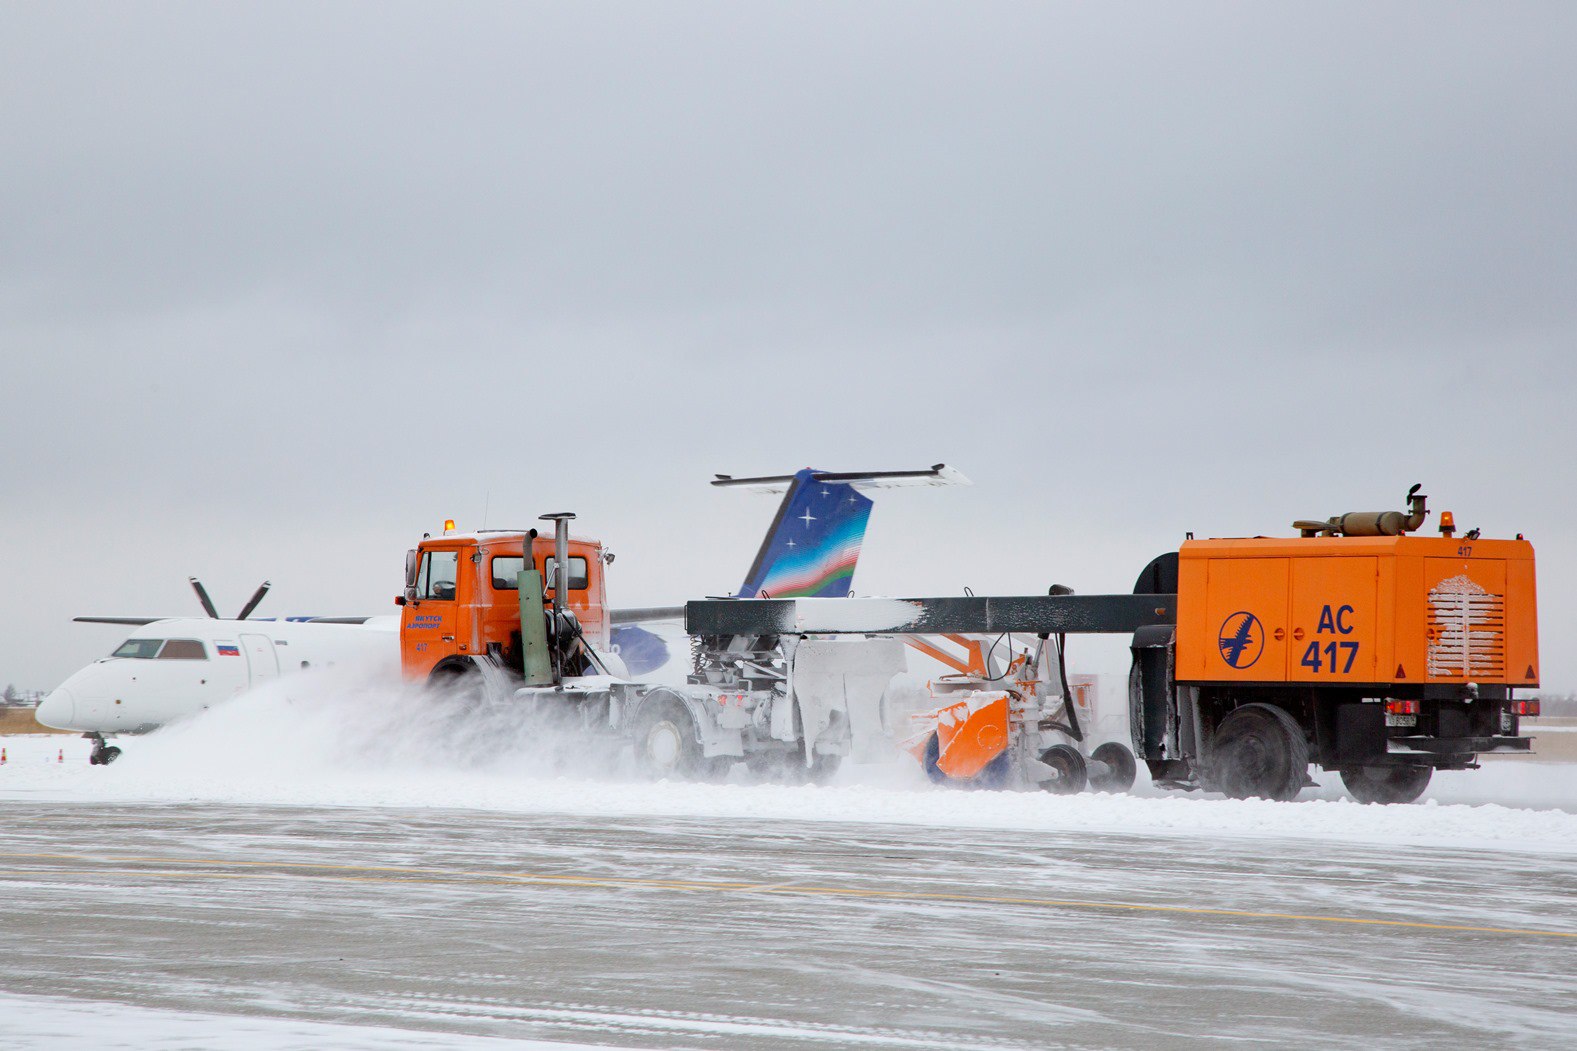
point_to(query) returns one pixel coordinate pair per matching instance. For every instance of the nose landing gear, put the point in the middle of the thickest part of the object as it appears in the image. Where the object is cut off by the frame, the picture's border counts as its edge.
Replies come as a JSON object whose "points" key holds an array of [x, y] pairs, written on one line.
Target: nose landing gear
{"points": [[102, 754]]}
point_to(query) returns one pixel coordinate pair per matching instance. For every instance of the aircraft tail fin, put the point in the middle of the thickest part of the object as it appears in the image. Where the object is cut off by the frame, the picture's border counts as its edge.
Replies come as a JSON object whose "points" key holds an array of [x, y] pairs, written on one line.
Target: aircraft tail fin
{"points": [[814, 542]]}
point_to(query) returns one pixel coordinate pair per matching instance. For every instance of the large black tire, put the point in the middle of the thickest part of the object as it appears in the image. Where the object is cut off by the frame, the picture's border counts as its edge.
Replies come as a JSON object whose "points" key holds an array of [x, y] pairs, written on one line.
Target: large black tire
{"points": [[1386, 784], [667, 744], [1259, 751], [1072, 775], [823, 768], [1117, 769], [462, 684], [111, 753]]}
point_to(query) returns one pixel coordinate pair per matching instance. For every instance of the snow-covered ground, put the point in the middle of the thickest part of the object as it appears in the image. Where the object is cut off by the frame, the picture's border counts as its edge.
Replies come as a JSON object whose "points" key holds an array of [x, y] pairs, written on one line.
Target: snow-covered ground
{"points": [[349, 742], [338, 863], [65, 1025]]}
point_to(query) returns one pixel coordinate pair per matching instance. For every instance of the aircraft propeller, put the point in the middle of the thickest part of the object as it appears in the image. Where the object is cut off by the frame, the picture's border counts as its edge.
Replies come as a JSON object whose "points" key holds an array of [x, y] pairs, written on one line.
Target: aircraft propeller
{"points": [[246, 610]]}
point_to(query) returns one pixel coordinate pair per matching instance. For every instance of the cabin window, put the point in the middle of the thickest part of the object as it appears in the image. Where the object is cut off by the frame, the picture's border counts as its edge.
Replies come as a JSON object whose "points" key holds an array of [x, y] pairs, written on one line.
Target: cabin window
{"points": [[436, 580], [577, 574], [146, 649], [505, 571], [183, 650]]}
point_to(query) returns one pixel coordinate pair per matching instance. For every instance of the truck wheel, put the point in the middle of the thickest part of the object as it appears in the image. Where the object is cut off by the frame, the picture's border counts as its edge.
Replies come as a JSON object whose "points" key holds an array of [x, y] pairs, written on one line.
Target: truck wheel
{"points": [[1259, 751], [1116, 769], [667, 744], [823, 768], [1069, 766], [1386, 784], [461, 683]]}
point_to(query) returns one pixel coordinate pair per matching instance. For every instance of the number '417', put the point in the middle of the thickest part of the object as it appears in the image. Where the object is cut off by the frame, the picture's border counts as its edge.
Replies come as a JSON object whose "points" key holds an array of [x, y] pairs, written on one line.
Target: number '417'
{"points": [[1335, 656]]}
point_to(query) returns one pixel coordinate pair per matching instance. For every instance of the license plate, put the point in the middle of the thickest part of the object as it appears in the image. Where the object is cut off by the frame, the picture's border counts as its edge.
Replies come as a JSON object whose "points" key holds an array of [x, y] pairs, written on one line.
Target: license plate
{"points": [[1401, 720]]}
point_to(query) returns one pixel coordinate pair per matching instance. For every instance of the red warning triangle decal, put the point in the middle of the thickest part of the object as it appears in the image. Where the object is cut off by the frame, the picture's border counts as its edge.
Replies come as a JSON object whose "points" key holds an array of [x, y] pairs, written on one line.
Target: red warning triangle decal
{"points": [[1530, 674], [1401, 673]]}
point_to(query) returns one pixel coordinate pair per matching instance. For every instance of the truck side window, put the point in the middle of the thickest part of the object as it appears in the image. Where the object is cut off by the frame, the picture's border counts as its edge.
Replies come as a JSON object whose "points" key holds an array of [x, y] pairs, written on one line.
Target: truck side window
{"points": [[437, 575], [577, 573], [506, 569]]}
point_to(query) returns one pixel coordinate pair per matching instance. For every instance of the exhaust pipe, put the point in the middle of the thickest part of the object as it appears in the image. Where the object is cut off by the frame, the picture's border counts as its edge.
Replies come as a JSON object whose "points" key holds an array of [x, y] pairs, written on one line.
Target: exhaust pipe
{"points": [[560, 522], [1372, 523]]}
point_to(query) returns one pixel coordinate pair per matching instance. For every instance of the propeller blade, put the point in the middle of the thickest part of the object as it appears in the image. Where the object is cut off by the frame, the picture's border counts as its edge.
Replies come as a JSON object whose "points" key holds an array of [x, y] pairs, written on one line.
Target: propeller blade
{"points": [[257, 596], [202, 596]]}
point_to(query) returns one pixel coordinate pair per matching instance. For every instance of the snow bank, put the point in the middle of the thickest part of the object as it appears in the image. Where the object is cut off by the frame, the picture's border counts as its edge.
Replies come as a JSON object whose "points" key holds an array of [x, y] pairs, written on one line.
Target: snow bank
{"points": [[328, 741]]}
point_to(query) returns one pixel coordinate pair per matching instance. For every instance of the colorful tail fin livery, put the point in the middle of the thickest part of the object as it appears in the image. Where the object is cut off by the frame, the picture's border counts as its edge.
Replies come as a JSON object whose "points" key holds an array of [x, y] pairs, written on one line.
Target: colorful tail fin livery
{"points": [[813, 545], [814, 542]]}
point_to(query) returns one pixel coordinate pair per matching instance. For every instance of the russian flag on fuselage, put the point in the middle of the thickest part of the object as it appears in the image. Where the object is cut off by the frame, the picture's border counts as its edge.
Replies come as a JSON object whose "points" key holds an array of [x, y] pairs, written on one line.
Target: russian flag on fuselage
{"points": [[814, 543]]}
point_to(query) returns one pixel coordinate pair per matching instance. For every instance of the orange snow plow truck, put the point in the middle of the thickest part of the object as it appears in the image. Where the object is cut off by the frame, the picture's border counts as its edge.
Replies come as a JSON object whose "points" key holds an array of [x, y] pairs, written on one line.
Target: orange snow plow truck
{"points": [[462, 598]]}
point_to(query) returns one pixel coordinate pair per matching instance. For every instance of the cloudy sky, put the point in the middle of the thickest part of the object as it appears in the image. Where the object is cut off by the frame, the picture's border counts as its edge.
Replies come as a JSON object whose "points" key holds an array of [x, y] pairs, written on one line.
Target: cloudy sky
{"points": [[283, 286]]}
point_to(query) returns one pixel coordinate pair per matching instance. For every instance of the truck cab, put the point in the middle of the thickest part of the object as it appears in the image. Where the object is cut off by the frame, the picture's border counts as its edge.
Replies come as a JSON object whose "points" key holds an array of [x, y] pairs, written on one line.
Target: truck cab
{"points": [[461, 601]]}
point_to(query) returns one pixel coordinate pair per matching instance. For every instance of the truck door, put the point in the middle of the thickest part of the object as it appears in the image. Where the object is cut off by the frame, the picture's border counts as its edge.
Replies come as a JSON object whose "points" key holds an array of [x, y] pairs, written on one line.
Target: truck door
{"points": [[428, 622], [262, 662], [1333, 619]]}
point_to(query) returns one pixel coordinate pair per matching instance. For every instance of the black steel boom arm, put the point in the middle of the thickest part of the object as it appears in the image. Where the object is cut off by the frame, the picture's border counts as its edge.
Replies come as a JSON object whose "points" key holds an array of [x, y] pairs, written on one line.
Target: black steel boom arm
{"points": [[1027, 614]]}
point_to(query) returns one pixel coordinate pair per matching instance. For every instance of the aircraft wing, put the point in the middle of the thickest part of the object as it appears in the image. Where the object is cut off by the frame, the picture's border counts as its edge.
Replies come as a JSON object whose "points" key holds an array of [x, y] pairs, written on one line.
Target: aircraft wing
{"points": [[646, 615], [135, 621]]}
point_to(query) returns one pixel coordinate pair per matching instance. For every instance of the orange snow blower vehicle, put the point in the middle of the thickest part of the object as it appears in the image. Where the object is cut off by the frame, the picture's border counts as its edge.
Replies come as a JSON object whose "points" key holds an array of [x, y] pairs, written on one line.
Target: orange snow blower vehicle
{"points": [[1010, 721]]}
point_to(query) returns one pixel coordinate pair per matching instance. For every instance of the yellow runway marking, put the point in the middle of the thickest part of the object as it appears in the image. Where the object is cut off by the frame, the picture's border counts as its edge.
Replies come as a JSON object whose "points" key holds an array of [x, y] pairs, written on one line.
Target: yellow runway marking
{"points": [[416, 874]]}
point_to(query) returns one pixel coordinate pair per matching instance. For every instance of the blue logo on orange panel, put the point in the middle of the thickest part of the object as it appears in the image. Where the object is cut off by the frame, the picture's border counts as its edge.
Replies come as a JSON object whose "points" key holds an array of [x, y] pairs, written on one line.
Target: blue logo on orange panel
{"points": [[1242, 639]]}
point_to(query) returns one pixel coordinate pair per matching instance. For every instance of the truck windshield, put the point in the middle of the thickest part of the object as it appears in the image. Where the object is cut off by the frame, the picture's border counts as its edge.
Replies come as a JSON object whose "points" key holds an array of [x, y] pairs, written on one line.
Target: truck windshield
{"points": [[147, 649]]}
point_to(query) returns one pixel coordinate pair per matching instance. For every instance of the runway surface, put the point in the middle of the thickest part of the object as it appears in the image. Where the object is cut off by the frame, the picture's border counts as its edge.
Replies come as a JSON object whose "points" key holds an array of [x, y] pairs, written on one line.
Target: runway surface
{"points": [[710, 932]]}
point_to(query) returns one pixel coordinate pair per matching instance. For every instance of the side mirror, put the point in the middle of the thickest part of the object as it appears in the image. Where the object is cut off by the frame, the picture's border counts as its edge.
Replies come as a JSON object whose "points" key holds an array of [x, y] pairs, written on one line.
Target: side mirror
{"points": [[410, 573]]}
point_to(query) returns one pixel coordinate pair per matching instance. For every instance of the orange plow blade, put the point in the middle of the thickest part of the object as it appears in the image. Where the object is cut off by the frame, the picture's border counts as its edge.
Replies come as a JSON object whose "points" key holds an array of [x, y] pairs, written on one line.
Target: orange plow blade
{"points": [[971, 739]]}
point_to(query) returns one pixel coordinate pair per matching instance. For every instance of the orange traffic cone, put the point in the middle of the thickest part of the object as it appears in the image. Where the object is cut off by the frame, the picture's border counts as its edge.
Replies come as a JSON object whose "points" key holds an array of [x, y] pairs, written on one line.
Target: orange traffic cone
{"points": [[2, 756], [60, 756]]}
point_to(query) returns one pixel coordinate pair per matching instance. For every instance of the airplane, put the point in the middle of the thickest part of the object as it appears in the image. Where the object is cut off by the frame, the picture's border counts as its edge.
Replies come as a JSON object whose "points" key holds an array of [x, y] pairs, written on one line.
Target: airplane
{"points": [[175, 666], [171, 667]]}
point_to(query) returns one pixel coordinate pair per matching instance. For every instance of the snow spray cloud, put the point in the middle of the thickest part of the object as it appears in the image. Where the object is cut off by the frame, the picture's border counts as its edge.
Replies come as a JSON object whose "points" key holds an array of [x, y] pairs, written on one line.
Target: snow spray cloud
{"points": [[350, 720]]}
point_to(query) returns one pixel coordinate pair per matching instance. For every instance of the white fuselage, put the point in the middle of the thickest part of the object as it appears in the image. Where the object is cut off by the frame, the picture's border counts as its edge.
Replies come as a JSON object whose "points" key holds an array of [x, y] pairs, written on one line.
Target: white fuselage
{"points": [[212, 661]]}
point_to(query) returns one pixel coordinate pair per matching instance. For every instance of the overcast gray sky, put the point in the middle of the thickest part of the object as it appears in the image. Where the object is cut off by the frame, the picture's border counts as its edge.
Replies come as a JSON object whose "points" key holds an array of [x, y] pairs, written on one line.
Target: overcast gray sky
{"points": [[281, 287]]}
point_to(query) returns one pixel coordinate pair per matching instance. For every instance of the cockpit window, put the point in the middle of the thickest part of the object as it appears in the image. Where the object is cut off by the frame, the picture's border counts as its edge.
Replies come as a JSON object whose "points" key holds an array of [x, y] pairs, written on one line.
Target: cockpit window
{"points": [[183, 650], [147, 649], [173, 649]]}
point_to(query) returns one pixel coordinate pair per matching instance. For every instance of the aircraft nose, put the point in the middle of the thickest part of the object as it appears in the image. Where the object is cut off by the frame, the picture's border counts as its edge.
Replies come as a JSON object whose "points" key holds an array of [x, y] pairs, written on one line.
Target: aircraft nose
{"points": [[57, 710]]}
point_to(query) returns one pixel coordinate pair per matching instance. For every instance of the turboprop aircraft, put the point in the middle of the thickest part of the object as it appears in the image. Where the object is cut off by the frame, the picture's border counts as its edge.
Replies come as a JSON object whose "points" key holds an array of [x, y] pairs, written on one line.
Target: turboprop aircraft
{"points": [[175, 666]]}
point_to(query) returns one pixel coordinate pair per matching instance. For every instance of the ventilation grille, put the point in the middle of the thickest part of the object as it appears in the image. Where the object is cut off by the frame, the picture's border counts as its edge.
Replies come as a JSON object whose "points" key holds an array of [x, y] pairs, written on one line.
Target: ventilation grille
{"points": [[1467, 631]]}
